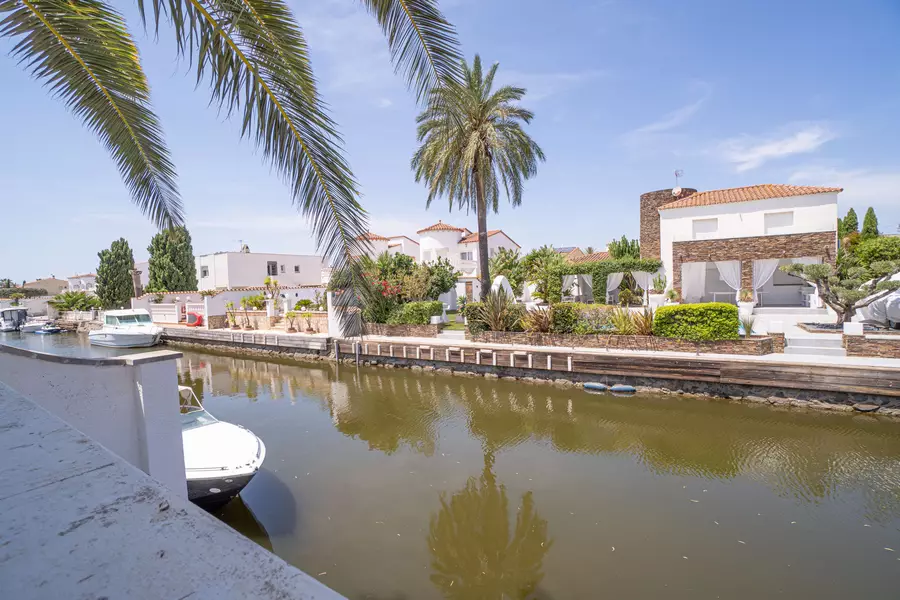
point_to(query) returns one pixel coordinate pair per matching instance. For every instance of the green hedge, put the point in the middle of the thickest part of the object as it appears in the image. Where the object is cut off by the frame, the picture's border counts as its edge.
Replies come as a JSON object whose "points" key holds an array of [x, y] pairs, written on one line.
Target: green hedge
{"points": [[416, 313], [598, 270], [707, 322], [473, 323]]}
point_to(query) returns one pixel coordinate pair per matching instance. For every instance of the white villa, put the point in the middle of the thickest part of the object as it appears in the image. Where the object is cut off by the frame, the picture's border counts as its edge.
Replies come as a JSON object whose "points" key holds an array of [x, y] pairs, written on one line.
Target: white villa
{"points": [[458, 245], [715, 243], [248, 269], [86, 282]]}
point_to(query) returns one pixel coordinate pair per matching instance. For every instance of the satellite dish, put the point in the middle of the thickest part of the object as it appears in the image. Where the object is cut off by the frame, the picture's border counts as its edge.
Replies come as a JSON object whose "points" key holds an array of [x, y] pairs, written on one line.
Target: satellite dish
{"points": [[676, 191]]}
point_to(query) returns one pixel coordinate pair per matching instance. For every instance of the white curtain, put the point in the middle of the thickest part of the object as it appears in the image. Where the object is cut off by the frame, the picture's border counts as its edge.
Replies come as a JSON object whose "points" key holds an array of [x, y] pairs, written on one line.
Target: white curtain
{"points": [[612, 283], [643, 279], [586, 287], [567, 283], [693, 281], [730, 273], [763, 270]]}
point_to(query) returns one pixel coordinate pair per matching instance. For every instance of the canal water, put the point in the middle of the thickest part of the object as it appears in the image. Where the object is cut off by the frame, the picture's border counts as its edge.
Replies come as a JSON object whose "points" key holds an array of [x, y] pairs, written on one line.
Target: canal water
{"points": [[387, 484]]}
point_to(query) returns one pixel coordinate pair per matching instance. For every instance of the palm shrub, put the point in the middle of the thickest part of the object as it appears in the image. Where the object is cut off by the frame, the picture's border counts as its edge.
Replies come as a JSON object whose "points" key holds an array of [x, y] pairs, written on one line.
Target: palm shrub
{"points": [[499, 312], [622, 322], [291, 318], [643, 322], [74, 301], [255, 59], [472, 143], [16, 297], [537, 321], [747, 322], [304, 304]]}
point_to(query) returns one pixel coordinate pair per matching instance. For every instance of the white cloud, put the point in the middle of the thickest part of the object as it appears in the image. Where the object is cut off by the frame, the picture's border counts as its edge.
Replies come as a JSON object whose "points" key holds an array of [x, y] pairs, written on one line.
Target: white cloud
{"points": [[384, 103], [658, 134], [750, 152], [543, 85], [862, 187]]}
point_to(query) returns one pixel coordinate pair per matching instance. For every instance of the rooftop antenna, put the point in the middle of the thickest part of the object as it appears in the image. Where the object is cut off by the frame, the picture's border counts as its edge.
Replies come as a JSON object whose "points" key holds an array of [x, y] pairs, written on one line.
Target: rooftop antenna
{"points": [[676, 191]]}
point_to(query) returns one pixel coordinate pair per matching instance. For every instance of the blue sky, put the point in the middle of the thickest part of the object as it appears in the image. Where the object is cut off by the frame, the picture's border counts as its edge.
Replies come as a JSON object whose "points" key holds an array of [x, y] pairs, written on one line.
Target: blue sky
{"points": [[734, 93]]}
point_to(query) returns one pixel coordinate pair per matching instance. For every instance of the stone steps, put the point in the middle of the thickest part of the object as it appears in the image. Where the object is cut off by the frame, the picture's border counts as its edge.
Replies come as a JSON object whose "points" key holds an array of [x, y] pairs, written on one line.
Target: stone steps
{"points": [[816, 344], [451, 335]]}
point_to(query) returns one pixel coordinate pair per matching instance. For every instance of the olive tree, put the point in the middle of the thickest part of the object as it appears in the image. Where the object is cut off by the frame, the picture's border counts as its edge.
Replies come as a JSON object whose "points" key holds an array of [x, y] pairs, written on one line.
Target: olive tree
{"points": [[847, 290]]}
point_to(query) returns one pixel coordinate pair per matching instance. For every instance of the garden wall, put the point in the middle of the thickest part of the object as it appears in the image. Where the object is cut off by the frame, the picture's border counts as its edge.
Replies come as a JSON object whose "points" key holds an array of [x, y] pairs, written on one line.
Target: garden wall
{"points": [[878, 345], [318, 320], [402, 330], [755, 346]]}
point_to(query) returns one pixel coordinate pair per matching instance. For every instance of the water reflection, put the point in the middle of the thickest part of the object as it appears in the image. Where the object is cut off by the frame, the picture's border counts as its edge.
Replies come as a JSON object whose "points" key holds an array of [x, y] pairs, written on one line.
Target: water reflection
{"points": [[473, 555], [806, 455]]}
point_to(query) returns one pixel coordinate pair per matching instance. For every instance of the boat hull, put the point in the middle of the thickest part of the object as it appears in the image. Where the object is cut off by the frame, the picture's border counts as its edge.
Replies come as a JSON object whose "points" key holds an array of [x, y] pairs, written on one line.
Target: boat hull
{"points": [[213, 492], [123, 340]]}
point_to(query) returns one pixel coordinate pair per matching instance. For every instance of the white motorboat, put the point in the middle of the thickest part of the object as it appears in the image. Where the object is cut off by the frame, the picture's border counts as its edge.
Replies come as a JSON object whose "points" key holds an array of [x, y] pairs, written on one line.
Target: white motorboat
{"points": [[33, 325], [219, 458], [12, 318], [126, 329]]}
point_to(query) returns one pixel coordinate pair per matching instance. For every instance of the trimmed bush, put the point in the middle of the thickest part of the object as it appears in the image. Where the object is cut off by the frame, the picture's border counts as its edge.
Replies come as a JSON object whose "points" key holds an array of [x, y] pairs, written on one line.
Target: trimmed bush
{"points": [[472, 313], [416, 313], [563, 317], [706, 322]]}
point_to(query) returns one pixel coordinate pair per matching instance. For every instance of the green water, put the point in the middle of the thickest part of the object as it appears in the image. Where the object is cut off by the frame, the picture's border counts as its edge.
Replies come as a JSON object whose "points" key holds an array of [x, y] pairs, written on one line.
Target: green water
{"points": [[387, 485], [391, 485]]}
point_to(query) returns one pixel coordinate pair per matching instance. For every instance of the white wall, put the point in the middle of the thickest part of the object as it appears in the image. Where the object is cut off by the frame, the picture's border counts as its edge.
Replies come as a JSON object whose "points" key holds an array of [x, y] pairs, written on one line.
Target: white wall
{"points": [[82, 284], [238, 269], [812, 213], [37, 306], [435, 244], [127, 404], [404, 245]]}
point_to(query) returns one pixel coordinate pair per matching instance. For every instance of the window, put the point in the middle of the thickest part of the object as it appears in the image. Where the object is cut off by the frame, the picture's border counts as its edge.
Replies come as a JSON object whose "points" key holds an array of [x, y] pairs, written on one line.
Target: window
{"points": [[296, 268], [780, 222], [204, 272], [465, 256], [282, 268], [704, 229], [271, 268]]}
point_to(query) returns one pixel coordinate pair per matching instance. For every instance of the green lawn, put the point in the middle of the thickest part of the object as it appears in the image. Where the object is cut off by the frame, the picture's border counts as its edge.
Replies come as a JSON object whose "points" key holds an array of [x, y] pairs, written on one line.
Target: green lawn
{"points": [[453, 325]]}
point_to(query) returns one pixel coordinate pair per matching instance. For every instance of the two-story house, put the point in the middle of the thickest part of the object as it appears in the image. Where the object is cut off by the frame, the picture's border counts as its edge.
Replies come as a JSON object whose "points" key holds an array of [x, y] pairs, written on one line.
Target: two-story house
{"points": [[459, 245], [224, 270], [86, 282], [715, 243]]}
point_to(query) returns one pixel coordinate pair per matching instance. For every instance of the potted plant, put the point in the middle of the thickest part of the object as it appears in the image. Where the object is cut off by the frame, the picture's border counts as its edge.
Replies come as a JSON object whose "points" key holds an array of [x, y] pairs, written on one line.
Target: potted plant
{"points": [[673, 296], [745, 302], [245, 304], [229, 313], [308, 317], [657, 296], [291, 317]]}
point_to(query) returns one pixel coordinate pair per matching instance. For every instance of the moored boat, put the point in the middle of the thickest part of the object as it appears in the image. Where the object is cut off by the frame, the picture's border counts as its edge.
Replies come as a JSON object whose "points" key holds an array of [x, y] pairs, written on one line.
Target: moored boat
{"points": [[13, 318], [220, 458], [126, 329]]}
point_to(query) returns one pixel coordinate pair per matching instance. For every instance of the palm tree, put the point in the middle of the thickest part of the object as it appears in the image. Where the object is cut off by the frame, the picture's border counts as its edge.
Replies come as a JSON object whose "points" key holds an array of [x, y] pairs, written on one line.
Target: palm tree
{"points": [[472, 140], [254, 57]]}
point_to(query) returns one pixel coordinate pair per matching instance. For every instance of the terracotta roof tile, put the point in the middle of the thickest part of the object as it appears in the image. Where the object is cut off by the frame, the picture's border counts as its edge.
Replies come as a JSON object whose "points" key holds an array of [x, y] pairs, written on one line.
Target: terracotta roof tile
{"points": [[441, 226], [83, 275], [593, 257], [372, 237], [472, 238], [748, 194]]}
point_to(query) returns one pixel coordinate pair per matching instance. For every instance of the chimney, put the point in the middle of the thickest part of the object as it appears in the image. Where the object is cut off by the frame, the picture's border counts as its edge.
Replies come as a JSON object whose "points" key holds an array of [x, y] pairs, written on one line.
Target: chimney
{"points": [[650, 203], [136, 282]]}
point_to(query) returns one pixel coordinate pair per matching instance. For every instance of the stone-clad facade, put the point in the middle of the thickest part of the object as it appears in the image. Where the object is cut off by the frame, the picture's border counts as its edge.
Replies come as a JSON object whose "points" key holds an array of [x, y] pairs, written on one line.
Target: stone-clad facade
{"points": [[747, 249], [650, 203]]}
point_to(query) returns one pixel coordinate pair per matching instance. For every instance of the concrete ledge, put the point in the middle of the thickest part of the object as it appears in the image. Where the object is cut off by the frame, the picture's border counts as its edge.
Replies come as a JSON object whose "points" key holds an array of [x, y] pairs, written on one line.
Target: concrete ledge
{"points": [[133, 359], [78, 522]]}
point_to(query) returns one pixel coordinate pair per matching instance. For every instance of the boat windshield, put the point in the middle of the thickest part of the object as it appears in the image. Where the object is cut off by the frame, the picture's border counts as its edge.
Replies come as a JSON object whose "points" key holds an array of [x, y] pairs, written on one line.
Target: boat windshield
{"points": [[138, 319], [195, 417]]}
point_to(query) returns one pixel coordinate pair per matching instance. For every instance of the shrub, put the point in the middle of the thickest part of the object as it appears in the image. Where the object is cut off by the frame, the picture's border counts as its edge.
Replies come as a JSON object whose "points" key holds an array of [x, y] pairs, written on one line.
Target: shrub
{"points": [[537, 321], [304, 304], [643, 322], [563, 317], [74, 301], [416, 313], [747, 323], [254, 302], [598, 270], [621, 321], [291, 318], [472, 313], [708, 321], [498, 312], [878, 249]]}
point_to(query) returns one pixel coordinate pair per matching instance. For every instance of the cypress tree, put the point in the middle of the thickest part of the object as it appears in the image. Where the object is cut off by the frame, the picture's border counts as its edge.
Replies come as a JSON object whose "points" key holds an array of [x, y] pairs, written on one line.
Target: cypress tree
{"points": [[171, 263], [870, 225], [114, 285], [851, 223]]}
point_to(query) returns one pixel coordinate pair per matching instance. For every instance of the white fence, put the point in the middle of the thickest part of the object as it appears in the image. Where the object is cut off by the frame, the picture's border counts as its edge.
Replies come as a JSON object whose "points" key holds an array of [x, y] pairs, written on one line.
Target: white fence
{"points": [[195, 307], [165, 313]]}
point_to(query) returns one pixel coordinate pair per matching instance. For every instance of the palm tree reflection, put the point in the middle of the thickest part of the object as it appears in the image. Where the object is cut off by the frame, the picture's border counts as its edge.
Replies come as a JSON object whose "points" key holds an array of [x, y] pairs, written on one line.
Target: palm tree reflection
{"points": [[473, 555]]}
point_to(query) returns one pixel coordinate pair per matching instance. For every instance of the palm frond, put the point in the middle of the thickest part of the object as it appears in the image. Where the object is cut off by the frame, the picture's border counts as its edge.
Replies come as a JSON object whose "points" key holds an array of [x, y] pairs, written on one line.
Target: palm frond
{"points": [[84, 54], [423, 43], [253, 56]]}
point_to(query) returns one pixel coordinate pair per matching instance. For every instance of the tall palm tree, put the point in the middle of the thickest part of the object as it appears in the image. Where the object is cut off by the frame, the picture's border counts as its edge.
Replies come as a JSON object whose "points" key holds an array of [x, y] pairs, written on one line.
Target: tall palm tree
{"points": [[472, 140], [254, 57]]}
